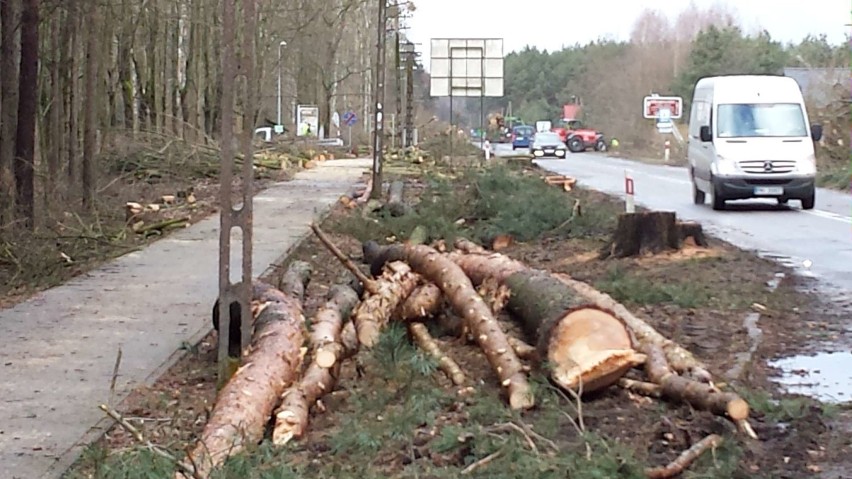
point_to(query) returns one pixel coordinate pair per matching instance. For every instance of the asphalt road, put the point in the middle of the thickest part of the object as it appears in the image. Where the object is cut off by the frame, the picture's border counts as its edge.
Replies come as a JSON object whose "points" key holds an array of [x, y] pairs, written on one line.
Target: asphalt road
{"points": [[817, 243]]}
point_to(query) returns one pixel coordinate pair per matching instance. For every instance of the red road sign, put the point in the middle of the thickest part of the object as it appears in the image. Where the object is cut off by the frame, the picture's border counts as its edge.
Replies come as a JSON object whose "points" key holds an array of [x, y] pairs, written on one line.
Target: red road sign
{"points": [[653, 104]]}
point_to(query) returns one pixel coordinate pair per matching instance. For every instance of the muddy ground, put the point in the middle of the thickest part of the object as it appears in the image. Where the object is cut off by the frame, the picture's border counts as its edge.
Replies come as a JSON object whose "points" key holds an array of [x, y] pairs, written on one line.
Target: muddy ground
{"points": [[392, 415]]}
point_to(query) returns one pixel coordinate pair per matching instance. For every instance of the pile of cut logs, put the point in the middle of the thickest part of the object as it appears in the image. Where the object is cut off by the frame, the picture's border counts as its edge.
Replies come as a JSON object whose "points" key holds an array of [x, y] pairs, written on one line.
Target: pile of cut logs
{"points": [[588, 340]]}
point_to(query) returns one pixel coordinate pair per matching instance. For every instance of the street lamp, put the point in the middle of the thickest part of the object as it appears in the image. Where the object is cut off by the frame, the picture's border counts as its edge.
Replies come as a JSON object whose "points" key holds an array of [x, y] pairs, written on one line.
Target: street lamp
{"points": [[280, 46]]}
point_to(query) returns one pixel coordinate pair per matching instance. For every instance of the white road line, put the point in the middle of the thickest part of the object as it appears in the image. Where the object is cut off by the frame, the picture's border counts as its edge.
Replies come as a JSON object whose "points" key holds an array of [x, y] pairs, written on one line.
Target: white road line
{"points": [[828, 215]]}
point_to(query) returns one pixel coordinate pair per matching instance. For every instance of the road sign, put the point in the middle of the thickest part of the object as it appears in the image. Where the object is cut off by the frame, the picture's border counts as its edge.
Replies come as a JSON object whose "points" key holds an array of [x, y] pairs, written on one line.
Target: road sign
{"points": [[653, 105], [466, 67], [350, 118]]}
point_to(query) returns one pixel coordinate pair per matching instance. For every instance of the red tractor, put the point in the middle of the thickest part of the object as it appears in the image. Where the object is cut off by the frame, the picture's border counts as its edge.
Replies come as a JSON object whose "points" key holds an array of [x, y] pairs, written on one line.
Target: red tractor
{"points": [[579, 138]]}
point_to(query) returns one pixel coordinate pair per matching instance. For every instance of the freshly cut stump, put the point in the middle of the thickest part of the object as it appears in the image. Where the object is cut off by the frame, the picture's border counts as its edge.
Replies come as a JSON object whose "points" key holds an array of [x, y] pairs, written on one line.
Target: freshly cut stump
{"points": [[649, 232], [245, 403]]}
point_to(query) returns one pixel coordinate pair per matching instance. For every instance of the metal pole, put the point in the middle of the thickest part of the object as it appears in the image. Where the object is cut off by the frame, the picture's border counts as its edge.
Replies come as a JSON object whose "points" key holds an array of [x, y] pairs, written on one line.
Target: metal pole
{"points": [[280, 46], [482, 102], [379, 92]]}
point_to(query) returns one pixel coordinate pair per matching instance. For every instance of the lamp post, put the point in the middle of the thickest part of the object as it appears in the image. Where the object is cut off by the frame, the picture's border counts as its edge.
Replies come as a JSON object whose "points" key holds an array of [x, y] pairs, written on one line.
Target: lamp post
{"points": [[280, 46]]}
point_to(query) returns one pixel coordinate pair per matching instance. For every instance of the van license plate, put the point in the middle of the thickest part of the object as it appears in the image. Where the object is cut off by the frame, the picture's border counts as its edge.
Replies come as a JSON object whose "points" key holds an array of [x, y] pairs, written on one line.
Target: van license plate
{"points": [[768, 190]]}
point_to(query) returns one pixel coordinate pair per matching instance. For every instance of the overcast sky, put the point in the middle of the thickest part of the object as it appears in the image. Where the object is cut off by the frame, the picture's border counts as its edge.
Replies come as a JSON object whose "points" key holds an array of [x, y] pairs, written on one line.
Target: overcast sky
{"points": [[548, 23]]}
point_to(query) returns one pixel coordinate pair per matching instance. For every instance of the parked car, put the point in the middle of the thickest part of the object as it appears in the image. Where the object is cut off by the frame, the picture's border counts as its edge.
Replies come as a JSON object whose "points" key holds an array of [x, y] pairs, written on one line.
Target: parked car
{"points": [[546, 143], [749, 138], [522, 136]]}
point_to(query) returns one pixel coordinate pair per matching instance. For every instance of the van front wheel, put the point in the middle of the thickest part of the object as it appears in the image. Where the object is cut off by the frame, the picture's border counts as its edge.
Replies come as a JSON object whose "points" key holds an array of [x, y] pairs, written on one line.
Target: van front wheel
{"points": [[698, 196], [717, 200], [809, 201]]}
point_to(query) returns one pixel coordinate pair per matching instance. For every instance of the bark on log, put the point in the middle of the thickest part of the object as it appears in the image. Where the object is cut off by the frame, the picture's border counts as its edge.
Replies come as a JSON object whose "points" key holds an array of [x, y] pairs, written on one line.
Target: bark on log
{"points": [[426, 300], [329, 347], [699, 395], [374, 312], [462, 296], [245, 403], [649, 232], [259, 290]]}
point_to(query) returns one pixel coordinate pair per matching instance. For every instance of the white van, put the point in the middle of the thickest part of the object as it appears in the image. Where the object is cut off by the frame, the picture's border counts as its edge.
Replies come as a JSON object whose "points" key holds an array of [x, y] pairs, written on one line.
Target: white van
{"points": [[749, 138]]}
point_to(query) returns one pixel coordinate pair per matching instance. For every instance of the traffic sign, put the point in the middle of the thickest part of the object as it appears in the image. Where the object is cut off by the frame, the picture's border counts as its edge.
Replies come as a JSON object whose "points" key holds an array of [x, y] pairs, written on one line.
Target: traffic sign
{"points": [[654, 105], [350, 118]]}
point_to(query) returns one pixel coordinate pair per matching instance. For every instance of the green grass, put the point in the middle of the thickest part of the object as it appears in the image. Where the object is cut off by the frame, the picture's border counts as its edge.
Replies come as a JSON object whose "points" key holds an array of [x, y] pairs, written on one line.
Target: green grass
{"points": [[630, 288], [481, 204]]}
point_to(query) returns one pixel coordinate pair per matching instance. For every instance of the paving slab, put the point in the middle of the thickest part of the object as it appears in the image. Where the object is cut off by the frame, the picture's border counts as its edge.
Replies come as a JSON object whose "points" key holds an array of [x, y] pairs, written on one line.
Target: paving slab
{"points": [[58, 349]]}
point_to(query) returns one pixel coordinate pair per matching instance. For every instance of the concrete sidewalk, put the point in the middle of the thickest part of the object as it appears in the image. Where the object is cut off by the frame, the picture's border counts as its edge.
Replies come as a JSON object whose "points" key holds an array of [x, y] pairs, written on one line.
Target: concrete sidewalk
{"points": [[58, 349]]}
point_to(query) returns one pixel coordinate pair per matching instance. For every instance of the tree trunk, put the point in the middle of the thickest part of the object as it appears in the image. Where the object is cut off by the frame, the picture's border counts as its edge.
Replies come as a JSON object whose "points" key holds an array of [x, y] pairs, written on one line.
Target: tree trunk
{"points": [[90, 107], [396, 205], [327, 333], [244, 405], [73, 88], [643, 233], [56, 131], [27, 112], [8, 108]]}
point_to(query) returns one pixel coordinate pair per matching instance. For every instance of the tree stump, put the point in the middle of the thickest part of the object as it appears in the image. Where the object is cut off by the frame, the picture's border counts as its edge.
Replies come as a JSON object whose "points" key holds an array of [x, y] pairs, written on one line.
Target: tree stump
{"points": [[692, 229], [642, 233]]}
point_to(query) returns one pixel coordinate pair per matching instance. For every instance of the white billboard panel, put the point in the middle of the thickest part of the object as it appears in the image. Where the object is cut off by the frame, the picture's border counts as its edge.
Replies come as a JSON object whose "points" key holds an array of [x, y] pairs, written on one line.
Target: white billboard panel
{"points": [[466, 67]]}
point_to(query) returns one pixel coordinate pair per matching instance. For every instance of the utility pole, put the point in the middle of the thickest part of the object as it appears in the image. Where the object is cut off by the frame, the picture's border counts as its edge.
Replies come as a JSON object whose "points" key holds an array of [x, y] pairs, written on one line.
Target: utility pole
{"points": [[398, 73], [379, 100], [409, 95]]}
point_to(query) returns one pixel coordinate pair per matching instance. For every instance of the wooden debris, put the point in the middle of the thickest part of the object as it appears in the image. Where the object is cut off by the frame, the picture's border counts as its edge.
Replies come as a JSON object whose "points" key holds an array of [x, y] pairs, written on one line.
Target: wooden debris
{"points": [[641, 387], [374, 312], [685, 458], [420, 334], [649, 232]]}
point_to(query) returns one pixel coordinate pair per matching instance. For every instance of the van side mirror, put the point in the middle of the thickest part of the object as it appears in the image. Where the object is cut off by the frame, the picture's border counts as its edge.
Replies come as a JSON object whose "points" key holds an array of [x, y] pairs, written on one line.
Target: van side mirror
{"points": [[705, 133], [816, 132]]}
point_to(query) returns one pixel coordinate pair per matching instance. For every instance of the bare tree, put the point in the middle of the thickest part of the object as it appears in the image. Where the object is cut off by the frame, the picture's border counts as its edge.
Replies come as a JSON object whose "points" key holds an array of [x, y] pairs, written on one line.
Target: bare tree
{"points": [[27, 111]]}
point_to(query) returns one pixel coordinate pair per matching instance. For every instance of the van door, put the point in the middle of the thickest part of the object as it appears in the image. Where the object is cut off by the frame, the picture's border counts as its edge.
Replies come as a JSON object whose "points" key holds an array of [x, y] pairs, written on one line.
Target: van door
{"points": [[700, 153]]}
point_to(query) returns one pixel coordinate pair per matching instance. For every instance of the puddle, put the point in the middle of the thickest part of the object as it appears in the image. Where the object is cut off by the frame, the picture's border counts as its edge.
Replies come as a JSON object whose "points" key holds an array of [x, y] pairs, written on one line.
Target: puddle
{"points": [[823, 376]]}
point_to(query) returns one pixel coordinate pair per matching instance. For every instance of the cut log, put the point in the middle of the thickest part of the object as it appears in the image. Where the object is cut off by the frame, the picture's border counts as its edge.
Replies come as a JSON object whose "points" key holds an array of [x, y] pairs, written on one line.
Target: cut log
{"points": [[698, 395], [478, 318], [396, 204], [588, 346], [245, 403], [329, 347], [641, 387], [480, 265], [649, 232], [678, 358], [426, 300], [374, 312], [685, 458], [259, 290], [429, 345]]}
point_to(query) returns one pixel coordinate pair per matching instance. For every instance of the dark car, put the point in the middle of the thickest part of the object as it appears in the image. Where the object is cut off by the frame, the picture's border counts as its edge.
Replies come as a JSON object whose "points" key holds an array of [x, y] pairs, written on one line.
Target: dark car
{"points": [[522, 136], [546, 143]]}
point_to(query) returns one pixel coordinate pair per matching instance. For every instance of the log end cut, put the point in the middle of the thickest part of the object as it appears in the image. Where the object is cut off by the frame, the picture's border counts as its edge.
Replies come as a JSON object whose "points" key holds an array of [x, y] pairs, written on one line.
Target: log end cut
{"points": [[590, 349]]}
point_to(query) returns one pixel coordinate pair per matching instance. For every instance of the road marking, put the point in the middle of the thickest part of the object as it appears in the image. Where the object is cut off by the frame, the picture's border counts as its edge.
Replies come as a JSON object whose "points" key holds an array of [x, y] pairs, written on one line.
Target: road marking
{"points": [[828, 215]]}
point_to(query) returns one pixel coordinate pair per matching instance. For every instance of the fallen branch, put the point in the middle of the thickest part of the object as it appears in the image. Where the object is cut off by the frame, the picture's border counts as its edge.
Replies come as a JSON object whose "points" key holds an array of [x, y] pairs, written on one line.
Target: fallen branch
{"points": [[482, 462], [369, 284], [699, 395], [162, 226], [641, 387], [686, 458], [124, 423], [245, 403], [291, 417], [428, 344]]}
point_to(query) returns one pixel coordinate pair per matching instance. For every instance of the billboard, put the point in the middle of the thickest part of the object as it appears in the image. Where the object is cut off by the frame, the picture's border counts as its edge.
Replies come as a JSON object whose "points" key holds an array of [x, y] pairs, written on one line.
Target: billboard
{"points": [[470, 67], [307, 120]]}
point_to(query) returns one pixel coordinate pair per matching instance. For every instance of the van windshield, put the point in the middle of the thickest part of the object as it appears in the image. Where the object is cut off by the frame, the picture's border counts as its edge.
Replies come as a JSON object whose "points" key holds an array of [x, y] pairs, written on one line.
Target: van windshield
{"points": [[760, 119]]}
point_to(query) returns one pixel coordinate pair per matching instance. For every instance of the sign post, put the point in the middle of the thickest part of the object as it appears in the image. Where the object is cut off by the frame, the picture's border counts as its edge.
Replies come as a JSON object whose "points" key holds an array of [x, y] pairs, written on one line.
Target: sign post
{"points": [[349, 119], [629, 205], [466, 67], [667, 151]]}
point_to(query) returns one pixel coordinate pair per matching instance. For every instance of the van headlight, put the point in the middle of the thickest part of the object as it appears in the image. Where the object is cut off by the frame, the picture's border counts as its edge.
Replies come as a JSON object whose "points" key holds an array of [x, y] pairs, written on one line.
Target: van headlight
{"points": [[807, 166], [725, 167]]}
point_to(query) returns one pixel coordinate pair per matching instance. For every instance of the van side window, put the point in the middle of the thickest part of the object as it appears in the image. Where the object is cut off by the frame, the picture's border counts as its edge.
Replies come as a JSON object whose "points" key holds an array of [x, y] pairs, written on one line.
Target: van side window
{"points": [[700, 117]]}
